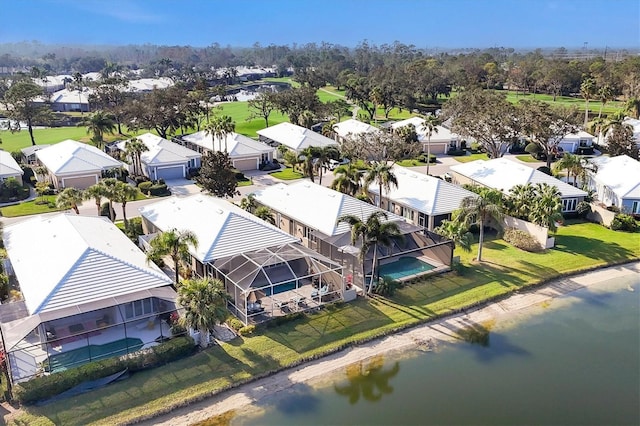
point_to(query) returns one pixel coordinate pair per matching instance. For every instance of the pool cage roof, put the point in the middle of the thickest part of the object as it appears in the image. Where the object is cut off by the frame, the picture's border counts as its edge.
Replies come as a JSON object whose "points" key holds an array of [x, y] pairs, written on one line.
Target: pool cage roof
{"points": [[272, 266]]}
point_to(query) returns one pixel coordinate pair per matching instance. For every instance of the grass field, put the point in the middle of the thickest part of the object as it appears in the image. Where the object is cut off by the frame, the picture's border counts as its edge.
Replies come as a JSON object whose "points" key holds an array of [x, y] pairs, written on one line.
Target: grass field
{"points": [[411, 163], [471, 157], [527, 158], [31, 207], [287, 174], [505, 269]]}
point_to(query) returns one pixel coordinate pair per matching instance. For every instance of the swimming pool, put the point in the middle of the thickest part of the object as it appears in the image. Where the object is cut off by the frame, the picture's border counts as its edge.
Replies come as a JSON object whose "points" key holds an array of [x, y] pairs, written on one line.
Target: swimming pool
{"points": [[84, 354], [404, 267]]}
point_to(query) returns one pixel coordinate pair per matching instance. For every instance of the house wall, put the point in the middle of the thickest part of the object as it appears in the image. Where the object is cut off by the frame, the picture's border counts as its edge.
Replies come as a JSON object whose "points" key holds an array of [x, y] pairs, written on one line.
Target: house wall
{"points": [[80, 181], [628, 205], [600, 215], [459, 179]]}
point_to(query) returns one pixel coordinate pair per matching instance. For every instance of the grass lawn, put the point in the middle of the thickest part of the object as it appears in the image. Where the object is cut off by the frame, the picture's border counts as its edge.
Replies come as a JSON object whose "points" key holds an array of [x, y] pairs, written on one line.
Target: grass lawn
{"points": [[287, 174], [410, 163], [239, 112], [505, 269], [30, 207], [610, 107], [471, 157], [527, 158], [245, 182]]}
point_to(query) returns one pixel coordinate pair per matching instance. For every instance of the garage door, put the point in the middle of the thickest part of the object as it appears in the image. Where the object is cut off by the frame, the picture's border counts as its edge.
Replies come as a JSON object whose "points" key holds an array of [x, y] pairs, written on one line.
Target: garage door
{"points": [[80, 182], [436, 148], [176, 172], [243, 165]]}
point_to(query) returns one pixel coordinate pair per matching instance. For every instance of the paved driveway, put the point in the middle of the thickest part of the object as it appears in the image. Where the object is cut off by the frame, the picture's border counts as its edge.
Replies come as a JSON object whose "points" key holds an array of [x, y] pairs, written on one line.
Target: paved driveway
{"points": [[182, 187]]}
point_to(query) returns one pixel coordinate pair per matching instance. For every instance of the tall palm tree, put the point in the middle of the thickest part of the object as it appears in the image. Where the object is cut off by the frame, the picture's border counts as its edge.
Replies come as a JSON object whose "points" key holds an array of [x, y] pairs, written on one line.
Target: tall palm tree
{"points": [[69, 198], [175, 244], [219, 128], [374, 232], [205, 304], [587, 90], [348, 179], [430, 126], [110, 193], [308, 165], [98, 124], [479, 209], [96, 192], [382, 174], [323, 155], [123, 193], [134, 149], [248, 203], [605, 93], [547, 209], [265, 214], [572, 164], [519, 201]]}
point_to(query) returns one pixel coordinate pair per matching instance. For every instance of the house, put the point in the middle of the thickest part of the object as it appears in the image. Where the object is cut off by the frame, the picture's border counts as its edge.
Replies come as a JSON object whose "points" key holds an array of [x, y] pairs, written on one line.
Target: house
{"points": [[164, 159], [9, 168], [421, 199], [266, 271], [310, 212], [66, 100], [580, 142], [503, 174], [145, 85], [294, 137], [616, 182], [245, 153], [442, 139], [29, 153], [98, 297], [633, 123], [352, 127], [75, 164]]}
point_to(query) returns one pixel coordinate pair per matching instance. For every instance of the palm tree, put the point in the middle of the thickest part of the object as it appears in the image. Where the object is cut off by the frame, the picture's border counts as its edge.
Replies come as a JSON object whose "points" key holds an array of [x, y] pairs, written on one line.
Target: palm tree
{"points": [[547, 209], [382, 174], [134, 149], [219, 128], [632, 106], [96, 192], [604, 94], [430, 126], [456, 232], [110, 193], [572, 164], [123, 193], [248, 203], [323, 155], [375, 231], [69, 198], [308, 165], [587, 90], [175, 244], [98, 124], [519, 201], [347, 179], [265, 214], [479, 209], [205, 304]]}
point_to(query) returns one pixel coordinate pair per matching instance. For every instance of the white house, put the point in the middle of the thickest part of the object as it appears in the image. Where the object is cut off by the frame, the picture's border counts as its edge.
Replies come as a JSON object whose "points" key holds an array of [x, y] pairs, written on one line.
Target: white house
{"points": [[9, 168], [572, 142], [442, 139], [634, 123], [98, 289], [66, 100], [164, 159], [75, 164], [617, 182], [352, 127], [245, 153], [503, 174], [294, 137], [424, 200]]}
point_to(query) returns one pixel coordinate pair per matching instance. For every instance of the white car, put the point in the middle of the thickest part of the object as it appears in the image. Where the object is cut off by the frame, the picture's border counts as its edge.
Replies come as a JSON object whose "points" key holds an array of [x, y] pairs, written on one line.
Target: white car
{"points": [[334, 164]]}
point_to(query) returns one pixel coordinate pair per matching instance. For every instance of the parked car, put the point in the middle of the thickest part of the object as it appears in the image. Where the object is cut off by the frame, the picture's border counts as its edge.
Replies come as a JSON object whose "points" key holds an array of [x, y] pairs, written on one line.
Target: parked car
{"points": [[334, 164]]}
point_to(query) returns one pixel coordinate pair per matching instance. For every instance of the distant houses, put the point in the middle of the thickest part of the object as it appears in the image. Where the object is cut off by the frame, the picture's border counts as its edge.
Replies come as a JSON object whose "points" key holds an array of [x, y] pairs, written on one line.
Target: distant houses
{"points": [[352, 127]]}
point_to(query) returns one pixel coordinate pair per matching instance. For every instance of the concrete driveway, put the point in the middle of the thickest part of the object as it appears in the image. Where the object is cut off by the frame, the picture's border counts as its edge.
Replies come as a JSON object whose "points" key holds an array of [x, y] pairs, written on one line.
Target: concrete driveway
{"points": [[182, 187]]}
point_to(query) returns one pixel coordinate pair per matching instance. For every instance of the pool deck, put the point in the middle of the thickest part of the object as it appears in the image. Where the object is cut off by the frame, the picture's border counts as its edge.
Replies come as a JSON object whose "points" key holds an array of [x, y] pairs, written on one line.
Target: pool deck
{"points": [[438, 268]]}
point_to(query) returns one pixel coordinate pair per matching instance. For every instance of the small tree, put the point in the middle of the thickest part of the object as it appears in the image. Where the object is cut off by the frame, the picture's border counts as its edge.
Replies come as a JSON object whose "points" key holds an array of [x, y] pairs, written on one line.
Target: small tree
{"points": [[205, 304], [479, 210], [175, 244], [217, 175], [69, 198]]}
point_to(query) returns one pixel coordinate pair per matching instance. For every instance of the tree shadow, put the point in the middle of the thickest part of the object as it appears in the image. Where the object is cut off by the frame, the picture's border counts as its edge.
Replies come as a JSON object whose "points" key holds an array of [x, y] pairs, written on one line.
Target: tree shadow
{"points": [[605, 251], [299, 399]]}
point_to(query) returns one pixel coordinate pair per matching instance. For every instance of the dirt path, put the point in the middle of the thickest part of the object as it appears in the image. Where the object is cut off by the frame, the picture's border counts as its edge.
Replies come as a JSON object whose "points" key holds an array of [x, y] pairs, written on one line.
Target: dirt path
{"points": [[431, 333]]}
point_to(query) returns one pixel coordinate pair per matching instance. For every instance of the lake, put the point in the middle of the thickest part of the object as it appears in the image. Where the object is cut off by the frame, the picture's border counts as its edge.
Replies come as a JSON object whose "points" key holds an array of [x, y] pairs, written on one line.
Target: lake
{"points": [[574, 361]]}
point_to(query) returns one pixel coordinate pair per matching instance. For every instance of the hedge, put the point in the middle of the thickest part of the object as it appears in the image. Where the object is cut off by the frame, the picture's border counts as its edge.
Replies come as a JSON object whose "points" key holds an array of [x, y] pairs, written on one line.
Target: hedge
{"points": [[522, 240], [44, 387]]}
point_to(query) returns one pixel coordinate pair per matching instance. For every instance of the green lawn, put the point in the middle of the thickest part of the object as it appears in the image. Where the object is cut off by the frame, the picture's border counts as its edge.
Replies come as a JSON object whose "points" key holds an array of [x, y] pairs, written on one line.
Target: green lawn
{"points": [[287, 174], [30, 207], [527, 158], [505, 269], [471, 157], [411, 163], [594, 105]]}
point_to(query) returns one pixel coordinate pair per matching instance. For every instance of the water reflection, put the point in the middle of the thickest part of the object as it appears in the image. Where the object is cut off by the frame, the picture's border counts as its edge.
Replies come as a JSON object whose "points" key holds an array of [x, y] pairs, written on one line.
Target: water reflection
{"points": [[370, 381], [302, 402]]}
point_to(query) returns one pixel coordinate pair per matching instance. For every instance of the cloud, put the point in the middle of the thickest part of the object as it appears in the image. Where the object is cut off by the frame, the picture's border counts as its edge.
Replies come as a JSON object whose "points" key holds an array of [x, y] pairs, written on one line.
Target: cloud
{"points": [[122, 10]]}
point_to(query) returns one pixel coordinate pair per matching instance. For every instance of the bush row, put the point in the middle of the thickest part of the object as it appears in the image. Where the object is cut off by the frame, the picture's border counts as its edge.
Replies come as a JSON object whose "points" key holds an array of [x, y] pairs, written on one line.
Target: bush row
{"points": [[156, 188], [624, 222], [41, 388], [522, 240]]}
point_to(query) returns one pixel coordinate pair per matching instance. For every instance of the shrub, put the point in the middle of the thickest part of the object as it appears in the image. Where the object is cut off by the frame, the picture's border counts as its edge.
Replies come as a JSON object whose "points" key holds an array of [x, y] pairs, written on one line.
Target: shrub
{"points": [[425, 159], [104, 210], [475, 147], [139, 179], [522, 240], [134, 229], [583, 209], [159, 189], [532, 148], [386, 287], [45, 387], [624, 222], [145, 186], [456, 152], [235, 323], [546, 170], [247, 330], [614, 209]]}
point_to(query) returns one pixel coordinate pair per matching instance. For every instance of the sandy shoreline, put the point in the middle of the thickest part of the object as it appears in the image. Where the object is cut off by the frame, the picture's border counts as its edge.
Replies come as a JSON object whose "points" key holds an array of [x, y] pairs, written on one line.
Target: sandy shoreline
{"points": [[438, 330]]}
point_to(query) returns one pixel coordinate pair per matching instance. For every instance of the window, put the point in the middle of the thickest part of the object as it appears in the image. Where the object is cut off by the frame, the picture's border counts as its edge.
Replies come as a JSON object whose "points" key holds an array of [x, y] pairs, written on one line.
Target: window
{"points": [[138, 308], [291, 227], [635, 208], [569, 204], [407, 213]]}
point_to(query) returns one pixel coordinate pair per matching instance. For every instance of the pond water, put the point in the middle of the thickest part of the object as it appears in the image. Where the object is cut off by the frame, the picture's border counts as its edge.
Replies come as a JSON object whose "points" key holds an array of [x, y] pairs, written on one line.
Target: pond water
{"points": [[573, 362]]}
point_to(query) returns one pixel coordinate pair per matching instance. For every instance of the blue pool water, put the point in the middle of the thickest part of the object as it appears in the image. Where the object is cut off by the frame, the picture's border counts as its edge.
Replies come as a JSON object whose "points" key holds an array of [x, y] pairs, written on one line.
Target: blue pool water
{"points": [[404, 267]]}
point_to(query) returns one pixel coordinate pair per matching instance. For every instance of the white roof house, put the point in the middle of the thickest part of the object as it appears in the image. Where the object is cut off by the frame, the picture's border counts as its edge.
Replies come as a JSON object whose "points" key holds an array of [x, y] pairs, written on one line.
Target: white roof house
{"points": [[423, 194], [293, 136], [165, 159], [9, 167], [68, 100], [148, 84], [245, 153], [222, 228], [617, 182], [85, 258], [316, 206], [572, 141], [73, 163], [503, 174], [353, 127], [634, 123], [441, 137]]}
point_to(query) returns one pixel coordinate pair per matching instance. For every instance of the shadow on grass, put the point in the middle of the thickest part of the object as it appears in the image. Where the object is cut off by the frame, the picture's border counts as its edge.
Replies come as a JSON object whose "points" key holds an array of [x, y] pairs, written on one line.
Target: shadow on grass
{"points": [[604, 251]]}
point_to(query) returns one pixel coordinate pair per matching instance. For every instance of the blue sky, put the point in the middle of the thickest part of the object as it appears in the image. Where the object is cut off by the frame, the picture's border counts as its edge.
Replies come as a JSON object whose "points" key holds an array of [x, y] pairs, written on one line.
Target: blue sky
{"points": [[424, 23]]}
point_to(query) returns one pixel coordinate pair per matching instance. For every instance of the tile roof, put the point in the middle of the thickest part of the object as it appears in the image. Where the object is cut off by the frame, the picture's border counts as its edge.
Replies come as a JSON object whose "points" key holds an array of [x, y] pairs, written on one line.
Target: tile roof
{"points": [[162, 151], [71, 156], [295, 137], [9, 166], [621, 174], [237, 145], [354, 127]]}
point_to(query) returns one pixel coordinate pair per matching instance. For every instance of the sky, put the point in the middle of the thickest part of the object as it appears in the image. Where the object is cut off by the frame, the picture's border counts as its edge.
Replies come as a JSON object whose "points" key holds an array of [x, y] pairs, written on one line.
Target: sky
{"points": [[427, 24]]}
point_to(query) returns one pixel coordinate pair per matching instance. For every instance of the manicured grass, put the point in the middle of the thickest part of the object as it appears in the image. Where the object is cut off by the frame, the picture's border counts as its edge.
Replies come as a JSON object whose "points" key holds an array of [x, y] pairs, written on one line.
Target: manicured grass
{"points": [[287, 174], [30, 207], [527, 158], [16, 141], [239, 112], [505, 269], [410, 163], [471, 157], [610, 107], [246, 182]]}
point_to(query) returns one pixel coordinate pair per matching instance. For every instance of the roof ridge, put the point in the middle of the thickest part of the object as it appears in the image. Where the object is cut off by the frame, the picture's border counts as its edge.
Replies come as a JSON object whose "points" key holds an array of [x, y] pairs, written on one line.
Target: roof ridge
{"points": [[147, 271]]}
